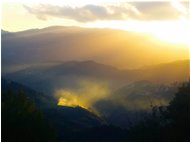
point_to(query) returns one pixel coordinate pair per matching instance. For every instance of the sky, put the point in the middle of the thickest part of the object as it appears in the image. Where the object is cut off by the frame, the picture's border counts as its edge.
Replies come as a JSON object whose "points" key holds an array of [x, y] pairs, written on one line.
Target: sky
{"points": [[167, 19]]}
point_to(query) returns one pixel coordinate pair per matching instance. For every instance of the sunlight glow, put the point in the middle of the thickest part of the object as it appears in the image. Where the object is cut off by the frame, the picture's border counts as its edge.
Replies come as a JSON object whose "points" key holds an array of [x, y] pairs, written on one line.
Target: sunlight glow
{"points": [[179, 7], [168, 31]]}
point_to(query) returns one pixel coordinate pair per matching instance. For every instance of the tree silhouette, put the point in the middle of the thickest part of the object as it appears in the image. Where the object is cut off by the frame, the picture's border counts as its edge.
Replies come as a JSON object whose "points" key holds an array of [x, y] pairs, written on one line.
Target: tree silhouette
{"points": [[178, 114], [166, 124], [22, 121]]}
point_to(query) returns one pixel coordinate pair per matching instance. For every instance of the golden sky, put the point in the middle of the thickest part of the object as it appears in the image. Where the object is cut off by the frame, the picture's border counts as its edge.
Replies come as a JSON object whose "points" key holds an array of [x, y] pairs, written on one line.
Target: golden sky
{"points": [[167, 20]]}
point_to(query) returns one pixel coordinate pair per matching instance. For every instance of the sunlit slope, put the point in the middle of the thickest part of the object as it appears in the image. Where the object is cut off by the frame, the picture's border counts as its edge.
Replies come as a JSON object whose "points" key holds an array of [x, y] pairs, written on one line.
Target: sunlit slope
{"points": [[113, 47]]}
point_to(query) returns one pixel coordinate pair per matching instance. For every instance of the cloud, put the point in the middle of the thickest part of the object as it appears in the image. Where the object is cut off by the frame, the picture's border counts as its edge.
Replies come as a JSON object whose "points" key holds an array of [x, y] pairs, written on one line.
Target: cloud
{"points": [[87, 13], [120, 11], [158, 10]]}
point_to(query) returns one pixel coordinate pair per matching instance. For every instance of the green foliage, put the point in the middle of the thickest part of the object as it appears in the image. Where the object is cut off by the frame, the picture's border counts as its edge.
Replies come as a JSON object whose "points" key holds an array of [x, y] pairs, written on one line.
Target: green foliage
{"points": [[22, 121]]}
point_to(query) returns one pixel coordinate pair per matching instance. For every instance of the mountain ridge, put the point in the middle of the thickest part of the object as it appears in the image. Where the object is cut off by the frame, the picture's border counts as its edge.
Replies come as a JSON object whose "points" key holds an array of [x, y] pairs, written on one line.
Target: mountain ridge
{"points": [[69, 74], [107, 46]]}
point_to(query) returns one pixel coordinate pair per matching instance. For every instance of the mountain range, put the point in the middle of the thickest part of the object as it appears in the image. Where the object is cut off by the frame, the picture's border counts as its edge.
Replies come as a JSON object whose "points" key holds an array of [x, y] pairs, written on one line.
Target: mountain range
{"points": [[122, 49], [92, 83], [49, 77]]}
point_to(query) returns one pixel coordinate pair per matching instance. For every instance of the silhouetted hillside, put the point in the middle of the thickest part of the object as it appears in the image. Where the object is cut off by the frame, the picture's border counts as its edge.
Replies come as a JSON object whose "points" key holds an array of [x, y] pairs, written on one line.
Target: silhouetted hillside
{"points": [[66, 121], [22, 120], [41, 100], [165, 123]]}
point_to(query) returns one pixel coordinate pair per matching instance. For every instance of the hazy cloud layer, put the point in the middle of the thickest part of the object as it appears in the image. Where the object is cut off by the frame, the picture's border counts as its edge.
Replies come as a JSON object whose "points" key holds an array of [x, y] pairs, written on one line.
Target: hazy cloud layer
{"points": [[121, 11]]}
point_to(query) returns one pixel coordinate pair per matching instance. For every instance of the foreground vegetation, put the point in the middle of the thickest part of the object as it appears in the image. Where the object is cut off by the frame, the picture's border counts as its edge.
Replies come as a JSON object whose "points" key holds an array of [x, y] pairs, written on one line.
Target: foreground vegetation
{"points": [[23, 121], [166, 124]]}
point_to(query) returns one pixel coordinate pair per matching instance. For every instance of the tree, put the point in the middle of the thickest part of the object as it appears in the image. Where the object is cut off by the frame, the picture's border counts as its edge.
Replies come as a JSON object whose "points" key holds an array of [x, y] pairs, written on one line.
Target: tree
{"points": [[166, 124], [22, 121], [178, 114]]}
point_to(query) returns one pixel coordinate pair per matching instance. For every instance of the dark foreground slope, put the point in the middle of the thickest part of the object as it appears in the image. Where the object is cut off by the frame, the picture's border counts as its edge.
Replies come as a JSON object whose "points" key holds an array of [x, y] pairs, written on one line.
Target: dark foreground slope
{"points": [[27, 114], [166, 124], [23, 121]]}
